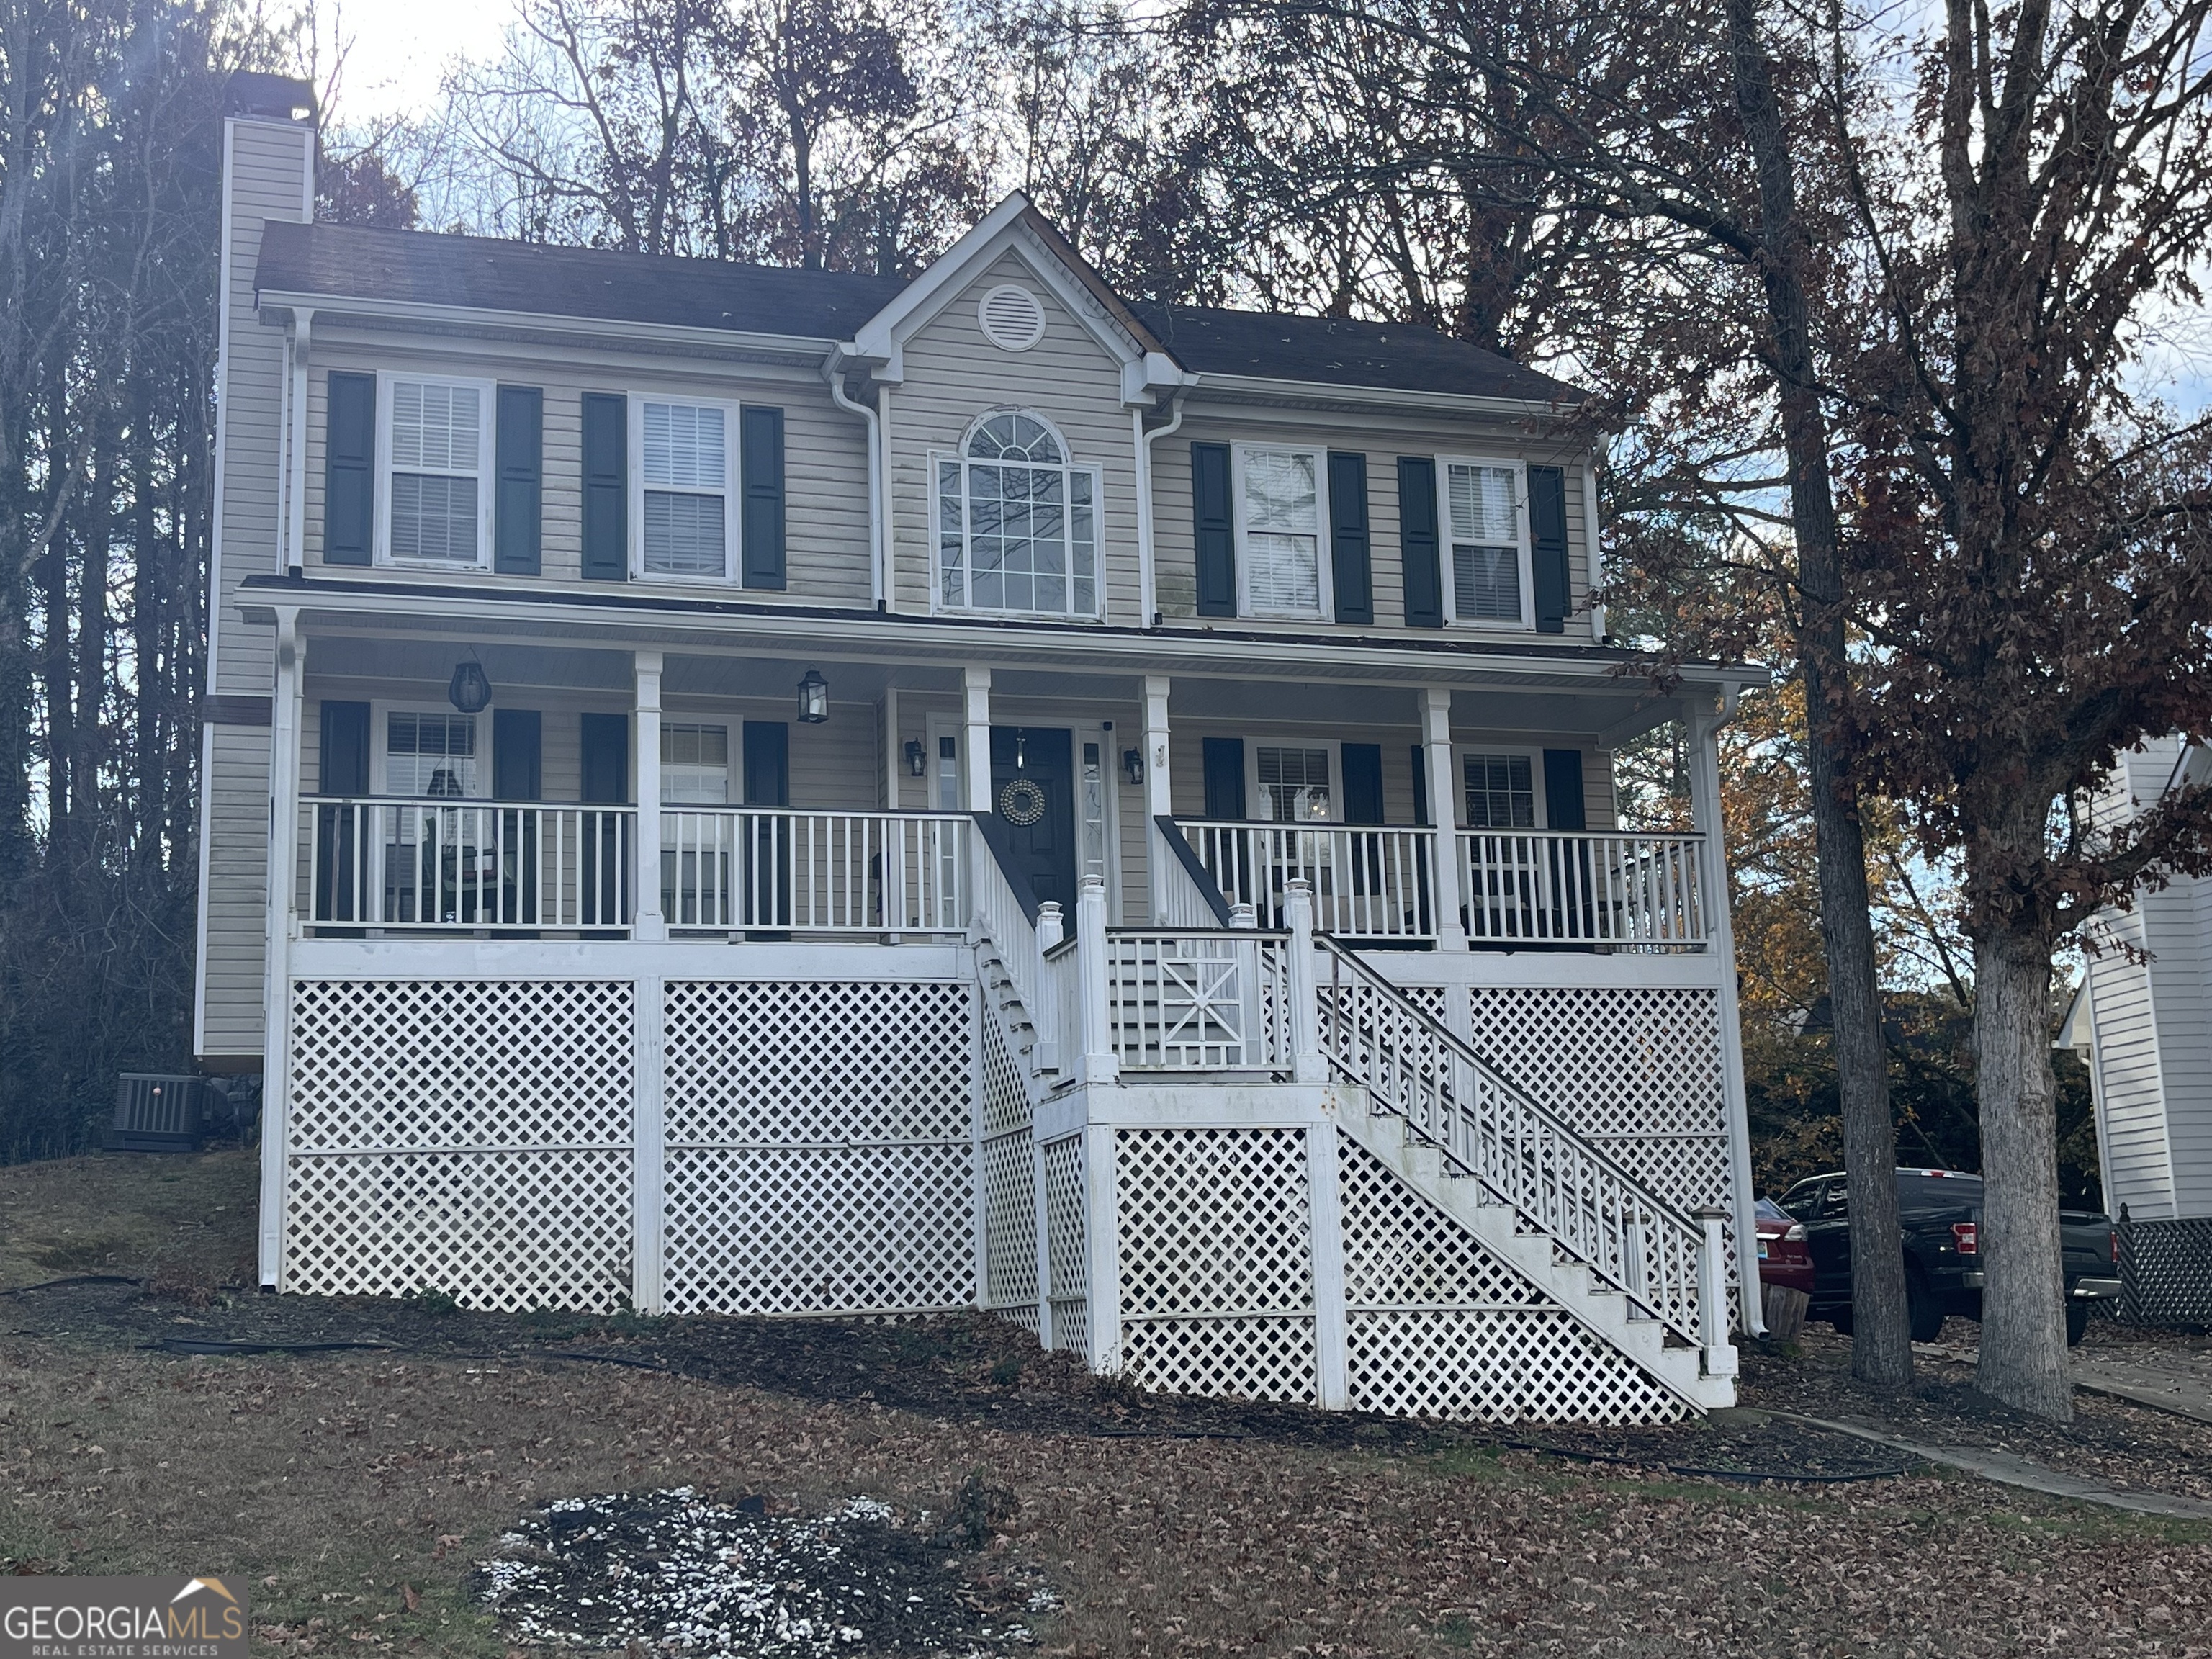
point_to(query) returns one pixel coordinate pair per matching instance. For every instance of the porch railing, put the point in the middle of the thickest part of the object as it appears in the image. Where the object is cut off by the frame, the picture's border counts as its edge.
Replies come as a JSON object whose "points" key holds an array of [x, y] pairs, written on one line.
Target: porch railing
{"points": [[464, 866], [1370, 882], [1537, 887], [782, 870], [1195, 1001]]}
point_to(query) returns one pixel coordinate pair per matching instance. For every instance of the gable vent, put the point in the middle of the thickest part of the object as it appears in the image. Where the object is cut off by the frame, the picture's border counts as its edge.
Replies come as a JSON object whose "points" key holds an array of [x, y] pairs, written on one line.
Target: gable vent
{"points": [[1012, 318]]}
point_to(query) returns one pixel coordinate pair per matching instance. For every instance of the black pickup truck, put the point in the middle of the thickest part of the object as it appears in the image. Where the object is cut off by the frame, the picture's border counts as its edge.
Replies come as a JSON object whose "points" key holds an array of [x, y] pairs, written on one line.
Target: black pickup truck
{"points": [[1939, 1212]]}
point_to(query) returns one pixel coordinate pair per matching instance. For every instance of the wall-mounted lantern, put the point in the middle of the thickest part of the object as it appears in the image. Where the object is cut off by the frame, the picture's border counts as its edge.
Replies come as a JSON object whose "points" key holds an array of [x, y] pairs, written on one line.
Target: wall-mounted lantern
{"points": [[1133, 766], [917, 763]]}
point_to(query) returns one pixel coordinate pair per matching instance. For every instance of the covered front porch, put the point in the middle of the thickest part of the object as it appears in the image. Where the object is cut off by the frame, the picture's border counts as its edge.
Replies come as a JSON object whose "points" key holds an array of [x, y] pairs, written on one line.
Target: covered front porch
{"points": [[524, 789]]}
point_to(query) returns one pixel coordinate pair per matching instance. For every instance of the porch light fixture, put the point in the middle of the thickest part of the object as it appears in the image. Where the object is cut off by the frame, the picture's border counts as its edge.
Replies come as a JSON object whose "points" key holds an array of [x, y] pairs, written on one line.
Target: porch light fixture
{"points": [[470, 690], [917, 763], [813, 698], [1133, 765]]}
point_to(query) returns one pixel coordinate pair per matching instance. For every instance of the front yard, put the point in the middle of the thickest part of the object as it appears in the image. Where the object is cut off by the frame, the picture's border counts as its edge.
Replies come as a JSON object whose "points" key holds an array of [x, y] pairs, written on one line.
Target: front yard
{"points": [[357, 1490]]}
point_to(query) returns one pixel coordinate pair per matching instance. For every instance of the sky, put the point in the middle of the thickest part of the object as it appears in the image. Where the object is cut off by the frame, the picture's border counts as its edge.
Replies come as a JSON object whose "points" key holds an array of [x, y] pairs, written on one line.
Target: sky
{"points": [[398, 49]]}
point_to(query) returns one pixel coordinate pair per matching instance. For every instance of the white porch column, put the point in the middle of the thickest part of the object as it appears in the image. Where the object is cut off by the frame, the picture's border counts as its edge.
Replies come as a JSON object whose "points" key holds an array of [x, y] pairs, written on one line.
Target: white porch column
{"points": [[1325, 1221], [975, 745], [280, 923], [649, 1146], [1712, 880], [1159, 797], [1443, 813], [650, 924]]}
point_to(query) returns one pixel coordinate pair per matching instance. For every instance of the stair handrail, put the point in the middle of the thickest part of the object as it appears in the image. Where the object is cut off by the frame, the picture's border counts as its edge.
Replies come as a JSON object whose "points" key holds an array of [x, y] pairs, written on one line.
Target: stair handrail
{"points": [[1625, 1234]]}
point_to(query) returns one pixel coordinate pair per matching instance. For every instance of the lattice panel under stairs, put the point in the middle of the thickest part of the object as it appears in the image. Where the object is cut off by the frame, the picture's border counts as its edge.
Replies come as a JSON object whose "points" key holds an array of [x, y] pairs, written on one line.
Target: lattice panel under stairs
{"points": [[468, 1137], [1438, 1327], [1008, 1176], [1066, 1245], [1637, 1072], [1216, 1255], [820, 1156]]}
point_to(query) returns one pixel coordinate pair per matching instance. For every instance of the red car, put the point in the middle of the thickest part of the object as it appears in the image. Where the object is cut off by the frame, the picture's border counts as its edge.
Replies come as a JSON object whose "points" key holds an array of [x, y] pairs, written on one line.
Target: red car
{"points": [[1785, 1258]]}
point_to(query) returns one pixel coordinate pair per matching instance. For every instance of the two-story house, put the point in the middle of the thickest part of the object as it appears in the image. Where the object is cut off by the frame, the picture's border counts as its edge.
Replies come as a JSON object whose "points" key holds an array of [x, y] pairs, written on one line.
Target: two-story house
{"points": [[779, 791]]}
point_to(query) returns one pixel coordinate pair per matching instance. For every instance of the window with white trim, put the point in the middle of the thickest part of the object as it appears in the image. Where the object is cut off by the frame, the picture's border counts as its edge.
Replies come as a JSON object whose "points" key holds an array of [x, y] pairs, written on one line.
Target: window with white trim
{"points": [[436, 448], [1483, 503], [1279, 523], [430, 754], [683, 452], [1293, 783], [1016, 523], [695, 763], [1500, 791]]}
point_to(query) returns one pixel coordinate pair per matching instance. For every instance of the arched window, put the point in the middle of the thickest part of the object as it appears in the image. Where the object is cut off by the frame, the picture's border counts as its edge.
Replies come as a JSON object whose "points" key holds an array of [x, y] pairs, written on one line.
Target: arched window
{"points": [[1017, 525]]}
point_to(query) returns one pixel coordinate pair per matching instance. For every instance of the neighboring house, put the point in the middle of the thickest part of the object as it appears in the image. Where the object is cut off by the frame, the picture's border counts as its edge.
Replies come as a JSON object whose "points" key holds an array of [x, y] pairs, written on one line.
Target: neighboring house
{"points": [[778, 792], [2142, 1021]]}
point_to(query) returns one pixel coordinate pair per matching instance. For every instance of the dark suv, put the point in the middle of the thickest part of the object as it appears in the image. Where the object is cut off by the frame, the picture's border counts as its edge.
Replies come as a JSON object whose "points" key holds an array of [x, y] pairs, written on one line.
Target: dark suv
{"points": [[1939, 1214]]}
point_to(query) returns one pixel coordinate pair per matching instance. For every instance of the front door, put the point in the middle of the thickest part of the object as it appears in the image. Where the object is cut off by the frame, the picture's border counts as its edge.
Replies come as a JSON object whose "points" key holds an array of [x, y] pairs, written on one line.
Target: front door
{"points": [[1033, 797]]}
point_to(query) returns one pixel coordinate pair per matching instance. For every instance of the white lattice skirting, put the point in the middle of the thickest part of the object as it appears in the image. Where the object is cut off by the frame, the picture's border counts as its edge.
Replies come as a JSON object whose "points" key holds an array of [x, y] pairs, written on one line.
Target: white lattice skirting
{"points": [[1216, 1253], [470, 1137]]}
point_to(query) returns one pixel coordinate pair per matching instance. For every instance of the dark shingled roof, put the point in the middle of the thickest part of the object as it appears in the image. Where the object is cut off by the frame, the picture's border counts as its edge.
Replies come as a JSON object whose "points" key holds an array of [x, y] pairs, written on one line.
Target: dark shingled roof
{"points": [[422, 267], [1341, 351]]}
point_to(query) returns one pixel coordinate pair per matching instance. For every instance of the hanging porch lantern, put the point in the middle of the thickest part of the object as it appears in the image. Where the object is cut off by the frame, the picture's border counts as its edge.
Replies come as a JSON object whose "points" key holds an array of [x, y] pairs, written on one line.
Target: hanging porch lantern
{"points": [[470, 690]]}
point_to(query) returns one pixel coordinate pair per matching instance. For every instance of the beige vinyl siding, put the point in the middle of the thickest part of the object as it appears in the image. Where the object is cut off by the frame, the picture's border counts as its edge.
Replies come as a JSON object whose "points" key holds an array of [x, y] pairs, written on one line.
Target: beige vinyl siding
{"points": [[825, 462], [953, 374], [269, 168], [237, 881], [1382, 440]]}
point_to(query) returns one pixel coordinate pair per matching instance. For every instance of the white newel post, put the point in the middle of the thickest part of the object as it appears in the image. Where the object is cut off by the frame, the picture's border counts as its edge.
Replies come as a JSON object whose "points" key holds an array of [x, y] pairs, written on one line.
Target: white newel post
{"points": [[1713, 894], [1712, 1293], [1096, 1040], [1324, 1216], [280, 923], [649, 1146], [1101, 1244], [1052, 1042], [649, 924], [975, 742], [1444, 814], [1307, 1064], [1159, 795]]}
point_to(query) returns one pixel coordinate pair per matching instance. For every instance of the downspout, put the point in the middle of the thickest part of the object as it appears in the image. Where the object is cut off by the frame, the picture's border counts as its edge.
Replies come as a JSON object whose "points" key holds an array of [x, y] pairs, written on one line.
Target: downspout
{"points": [[1596, 546], [1147, 576], [833, 371]]}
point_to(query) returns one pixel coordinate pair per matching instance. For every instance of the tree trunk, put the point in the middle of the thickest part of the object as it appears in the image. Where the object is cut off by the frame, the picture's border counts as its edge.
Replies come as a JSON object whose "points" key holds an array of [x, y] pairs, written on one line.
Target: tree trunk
{"points": [[1881, 1340], [2023, 1348]]}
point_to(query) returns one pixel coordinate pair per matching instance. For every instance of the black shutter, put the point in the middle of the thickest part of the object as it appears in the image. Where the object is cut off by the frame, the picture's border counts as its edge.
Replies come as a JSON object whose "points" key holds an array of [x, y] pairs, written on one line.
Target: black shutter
{"points": [[1417, 542], [349, 470], [1224, 779], [516, 752], [768, 763], [1347, 538], [606, 487], [1421, 786], [1563, 788], [345, 767], [1363, 783], [760, 465], [1214, 529], [521, 449], [605, 744], [1547, 541]]}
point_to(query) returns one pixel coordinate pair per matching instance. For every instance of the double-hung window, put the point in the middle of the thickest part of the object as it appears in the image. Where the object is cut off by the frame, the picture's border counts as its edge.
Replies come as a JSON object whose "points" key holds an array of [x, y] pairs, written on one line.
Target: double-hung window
{"points": [[1294, 783], [695, 763], [1484, 510], [430, 754], [1016, 523], [685, 469], [1279, 525], [1501, 791], [437, 450]]}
